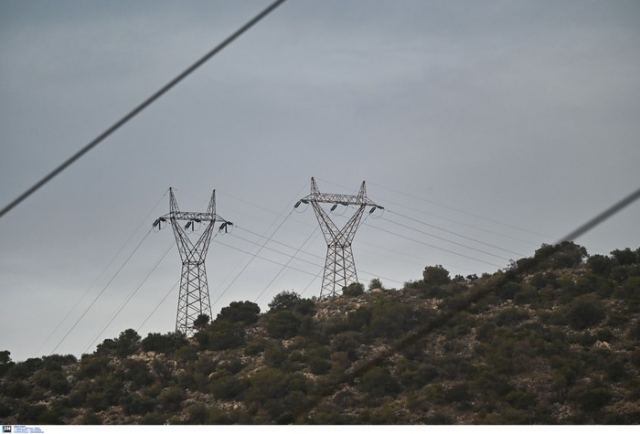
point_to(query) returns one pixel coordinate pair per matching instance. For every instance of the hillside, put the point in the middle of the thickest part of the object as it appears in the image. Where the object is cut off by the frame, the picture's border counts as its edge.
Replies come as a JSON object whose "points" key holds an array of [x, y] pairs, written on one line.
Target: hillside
{"points": [[552, 340]]}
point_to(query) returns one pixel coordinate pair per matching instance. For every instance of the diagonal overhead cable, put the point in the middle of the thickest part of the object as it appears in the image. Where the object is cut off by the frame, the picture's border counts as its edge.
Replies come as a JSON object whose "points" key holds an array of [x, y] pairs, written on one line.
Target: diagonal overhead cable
{"points": [[613, 209], [129, 297], [111, 262], [93, 302], [463, 302], [140, 107]]}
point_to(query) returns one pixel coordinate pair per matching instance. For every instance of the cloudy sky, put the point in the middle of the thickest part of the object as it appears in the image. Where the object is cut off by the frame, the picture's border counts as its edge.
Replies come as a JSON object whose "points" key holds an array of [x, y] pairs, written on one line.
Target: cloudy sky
{"points": [[501, 124]]}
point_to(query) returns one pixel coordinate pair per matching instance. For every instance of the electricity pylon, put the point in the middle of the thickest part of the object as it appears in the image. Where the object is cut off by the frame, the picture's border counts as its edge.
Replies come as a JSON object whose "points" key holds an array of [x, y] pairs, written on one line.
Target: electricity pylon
{"points": [[339, 266], [193, 299]]}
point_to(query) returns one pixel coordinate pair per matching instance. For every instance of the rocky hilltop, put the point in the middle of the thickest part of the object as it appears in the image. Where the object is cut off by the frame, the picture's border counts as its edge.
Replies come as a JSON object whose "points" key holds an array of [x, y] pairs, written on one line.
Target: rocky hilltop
{"points": [[553, 339]]}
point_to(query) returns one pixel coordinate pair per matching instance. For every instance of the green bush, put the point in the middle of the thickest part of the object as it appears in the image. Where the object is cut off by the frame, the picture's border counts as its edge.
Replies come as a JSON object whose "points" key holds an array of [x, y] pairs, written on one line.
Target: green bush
{"points": [[353, 290], [625, 257], [282, 324], [201, 322], [600, 264], [171, 398], [5, 362], [584, 312], [245, 312], [133, 403], [164, 343], [590, 397], [319, 360], [378, 382], [436, 275], [510, 317], [292, 302], [138, 373], [221, 335], [375, 284], [275, 356], [268, 384], [228, 387]]}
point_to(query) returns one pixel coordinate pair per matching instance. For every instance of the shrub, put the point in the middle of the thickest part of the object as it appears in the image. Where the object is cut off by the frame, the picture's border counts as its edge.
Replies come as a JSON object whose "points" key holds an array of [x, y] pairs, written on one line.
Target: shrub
{"points": [[625, 257], [5, 362], [378, 382], [564, 255], [127, 343], [245, 312], [268, 383], [171, 398], [375, 284], [436, 275], [347, 342], [318, 359], [590, 398], [92, 366], [600, 264], [353, 290], [221, 335], [201, 322], [511, 316], [584, 312], [291, 301], [282, 324], [137, 372], [508, 291], [228, 387], [275, 355], [389, 318], [133, 403], [164, 343], [197, 414]]}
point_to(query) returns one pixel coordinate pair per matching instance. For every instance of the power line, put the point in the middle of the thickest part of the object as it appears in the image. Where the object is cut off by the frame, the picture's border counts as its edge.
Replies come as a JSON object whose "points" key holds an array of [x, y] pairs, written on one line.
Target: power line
{"points": [[453, 233], [465, 224], [139, 108], [432, 245], [301, 251], [284, 266], [613, 209], [101, 291], [253, 256], [280, 252], [437, 237], [113, 259], [129, 297], [463, 302], [521, 229], [164, 298]]}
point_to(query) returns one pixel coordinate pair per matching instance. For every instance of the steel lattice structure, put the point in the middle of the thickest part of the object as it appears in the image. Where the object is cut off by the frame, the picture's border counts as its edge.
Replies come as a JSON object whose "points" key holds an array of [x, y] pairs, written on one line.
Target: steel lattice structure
{"points": [[339, 267], [193, 299]]}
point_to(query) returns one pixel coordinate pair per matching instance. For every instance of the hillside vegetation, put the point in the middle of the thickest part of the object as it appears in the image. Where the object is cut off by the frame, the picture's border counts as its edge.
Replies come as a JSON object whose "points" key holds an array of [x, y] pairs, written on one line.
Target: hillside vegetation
{"points": [[554, 341]]}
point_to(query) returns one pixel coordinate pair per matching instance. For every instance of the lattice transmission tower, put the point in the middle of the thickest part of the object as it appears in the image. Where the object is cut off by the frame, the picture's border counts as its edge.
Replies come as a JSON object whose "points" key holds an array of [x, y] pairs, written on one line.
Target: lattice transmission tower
{"points": [[193, 299], [339, 266]]}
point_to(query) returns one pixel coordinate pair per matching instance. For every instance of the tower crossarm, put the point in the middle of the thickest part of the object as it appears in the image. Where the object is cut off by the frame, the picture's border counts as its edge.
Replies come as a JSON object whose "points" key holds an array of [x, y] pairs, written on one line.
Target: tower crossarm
{"points": [[342, 199], [193, 216]]}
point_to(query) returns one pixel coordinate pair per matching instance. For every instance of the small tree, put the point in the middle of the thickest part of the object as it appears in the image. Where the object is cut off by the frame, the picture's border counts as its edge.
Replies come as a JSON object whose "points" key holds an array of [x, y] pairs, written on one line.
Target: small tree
{"points": [[245, 312], [293, 302], [353, 290], [625, 257], [201, 322], [283, 325], [375, 284], [584, 312], [436, 275], [127, 343], [285, 300]]}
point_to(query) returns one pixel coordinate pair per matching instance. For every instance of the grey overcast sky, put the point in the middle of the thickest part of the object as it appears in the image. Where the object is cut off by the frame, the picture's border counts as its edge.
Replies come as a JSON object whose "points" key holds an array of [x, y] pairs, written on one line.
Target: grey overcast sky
{"points": [[509, 122]]}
